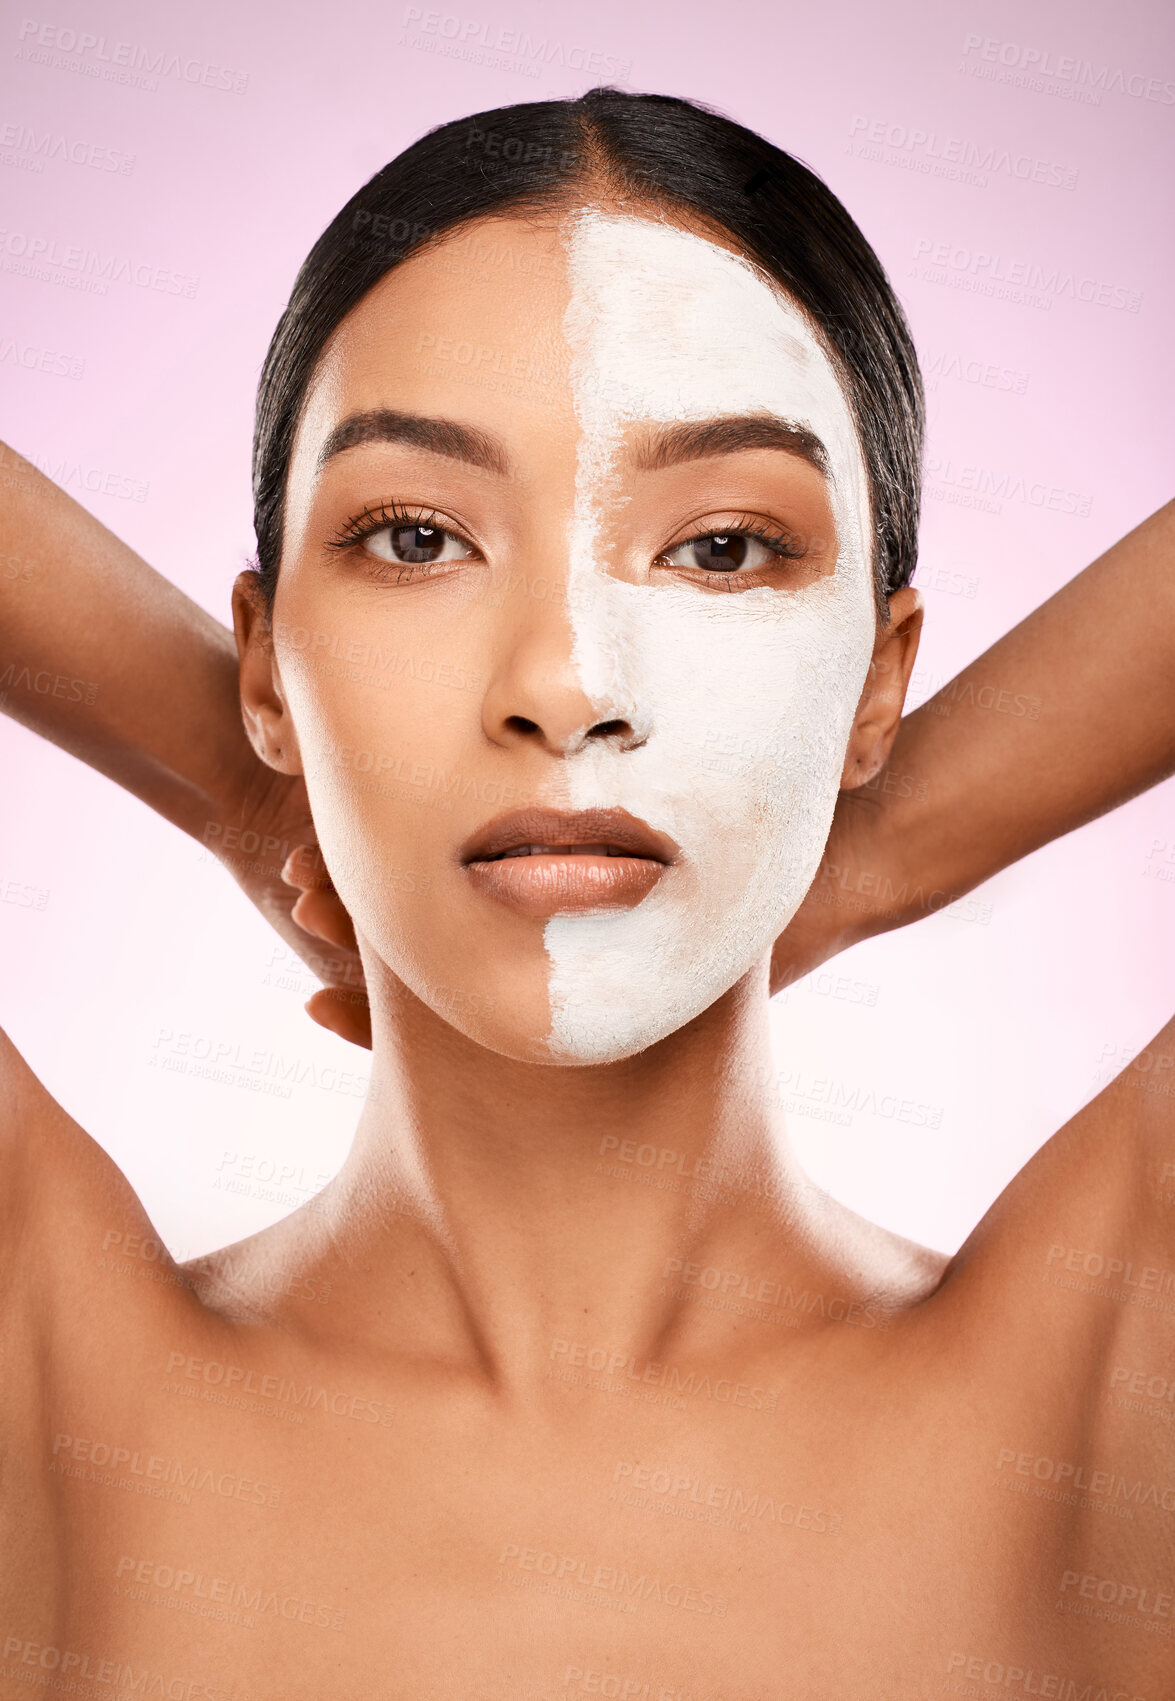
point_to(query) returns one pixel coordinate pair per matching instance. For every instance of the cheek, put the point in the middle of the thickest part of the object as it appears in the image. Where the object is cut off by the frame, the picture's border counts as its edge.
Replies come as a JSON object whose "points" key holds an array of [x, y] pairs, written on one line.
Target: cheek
{"points": [[375, 759], [750, 698], [369, 694], [749, 707]]}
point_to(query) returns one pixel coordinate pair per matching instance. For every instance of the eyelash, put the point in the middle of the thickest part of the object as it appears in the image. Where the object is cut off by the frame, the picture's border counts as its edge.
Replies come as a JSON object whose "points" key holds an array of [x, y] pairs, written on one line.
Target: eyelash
{"points": [[366, 524], [746, 526], [362, 526]]}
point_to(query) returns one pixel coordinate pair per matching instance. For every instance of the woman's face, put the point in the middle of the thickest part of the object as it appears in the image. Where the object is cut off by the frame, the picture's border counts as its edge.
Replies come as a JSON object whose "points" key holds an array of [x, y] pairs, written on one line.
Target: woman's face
{"points": [[574, 612]]}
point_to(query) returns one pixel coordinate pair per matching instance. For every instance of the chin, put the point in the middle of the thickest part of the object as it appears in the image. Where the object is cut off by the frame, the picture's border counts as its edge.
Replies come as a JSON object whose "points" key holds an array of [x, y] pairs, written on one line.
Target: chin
{"points": [[625, 981], [609, 1049], [583, 1035]]}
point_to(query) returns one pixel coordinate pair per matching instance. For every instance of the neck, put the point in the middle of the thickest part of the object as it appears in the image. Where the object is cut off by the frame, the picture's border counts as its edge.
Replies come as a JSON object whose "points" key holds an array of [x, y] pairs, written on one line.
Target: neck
{"points": [[511, 1206]]}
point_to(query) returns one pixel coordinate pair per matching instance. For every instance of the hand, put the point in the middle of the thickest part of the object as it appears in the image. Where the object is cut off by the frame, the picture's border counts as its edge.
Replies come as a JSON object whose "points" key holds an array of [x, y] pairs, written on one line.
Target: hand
{"points": [[285, 876], [857, 879], [341, 1006]]}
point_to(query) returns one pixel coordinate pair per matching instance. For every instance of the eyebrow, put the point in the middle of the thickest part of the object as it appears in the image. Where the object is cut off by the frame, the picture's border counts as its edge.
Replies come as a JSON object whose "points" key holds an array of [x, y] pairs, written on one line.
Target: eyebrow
{"points": [[672, 445], [439, 436], [667, 446]]}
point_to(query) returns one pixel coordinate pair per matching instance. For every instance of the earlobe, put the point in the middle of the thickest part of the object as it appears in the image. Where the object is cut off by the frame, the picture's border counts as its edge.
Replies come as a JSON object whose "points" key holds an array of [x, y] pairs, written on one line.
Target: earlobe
{"points": [[263, 705], [879, 711]]}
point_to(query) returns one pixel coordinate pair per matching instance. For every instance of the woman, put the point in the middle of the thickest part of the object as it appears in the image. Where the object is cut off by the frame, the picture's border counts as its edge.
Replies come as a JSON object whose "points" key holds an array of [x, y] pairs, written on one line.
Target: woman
{"points": [[586, 477]]}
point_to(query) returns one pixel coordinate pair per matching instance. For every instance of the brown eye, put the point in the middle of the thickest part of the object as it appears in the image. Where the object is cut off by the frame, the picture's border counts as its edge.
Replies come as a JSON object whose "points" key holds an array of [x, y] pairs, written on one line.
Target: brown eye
{"points": [[416, 545], [723, 552]]}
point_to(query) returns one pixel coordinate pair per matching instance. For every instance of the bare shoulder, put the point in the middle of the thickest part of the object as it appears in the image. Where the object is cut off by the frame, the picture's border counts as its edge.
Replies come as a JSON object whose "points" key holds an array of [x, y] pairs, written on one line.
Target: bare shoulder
{"points": [[1072, 1271], [1097, 1201], [90, 1305], [69, 1218]]}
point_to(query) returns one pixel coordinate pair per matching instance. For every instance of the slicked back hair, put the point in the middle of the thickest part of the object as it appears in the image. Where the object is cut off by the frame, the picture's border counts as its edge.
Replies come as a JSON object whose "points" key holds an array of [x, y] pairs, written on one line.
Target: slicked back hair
{"points": [[612, 146]]}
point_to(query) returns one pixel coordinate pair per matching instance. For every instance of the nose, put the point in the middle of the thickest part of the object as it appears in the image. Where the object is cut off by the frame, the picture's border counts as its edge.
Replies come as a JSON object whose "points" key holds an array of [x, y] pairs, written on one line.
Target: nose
{"points": [[539, 692]]}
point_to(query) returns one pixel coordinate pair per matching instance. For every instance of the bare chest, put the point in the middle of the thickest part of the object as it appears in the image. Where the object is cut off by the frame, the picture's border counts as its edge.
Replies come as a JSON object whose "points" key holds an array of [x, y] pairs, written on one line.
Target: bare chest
{"points": [[299, 1538]]}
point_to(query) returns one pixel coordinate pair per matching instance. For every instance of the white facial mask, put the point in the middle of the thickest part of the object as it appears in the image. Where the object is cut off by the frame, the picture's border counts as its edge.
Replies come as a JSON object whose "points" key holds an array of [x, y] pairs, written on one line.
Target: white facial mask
{"points": [[747, 699]]}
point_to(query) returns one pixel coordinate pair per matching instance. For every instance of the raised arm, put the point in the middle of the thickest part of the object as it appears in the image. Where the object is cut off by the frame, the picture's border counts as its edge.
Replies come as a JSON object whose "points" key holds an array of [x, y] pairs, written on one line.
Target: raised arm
{"points": [[104, 656], [1067, 716], [109, 660]]}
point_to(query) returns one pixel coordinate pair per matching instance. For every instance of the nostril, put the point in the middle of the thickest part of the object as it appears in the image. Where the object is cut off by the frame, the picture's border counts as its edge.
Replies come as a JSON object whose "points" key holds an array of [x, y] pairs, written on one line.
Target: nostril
{"points": [[618, 733]]}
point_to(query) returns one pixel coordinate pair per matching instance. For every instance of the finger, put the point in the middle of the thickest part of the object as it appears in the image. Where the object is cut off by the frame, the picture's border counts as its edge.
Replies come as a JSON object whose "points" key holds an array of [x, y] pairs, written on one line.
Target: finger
{"points": [[323, 914], [346, 1014], [305, 867]]}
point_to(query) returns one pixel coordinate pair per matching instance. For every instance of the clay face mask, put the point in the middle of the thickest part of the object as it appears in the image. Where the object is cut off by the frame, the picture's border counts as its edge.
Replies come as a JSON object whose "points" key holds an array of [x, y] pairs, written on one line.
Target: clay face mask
{"points": [[746, 700]]}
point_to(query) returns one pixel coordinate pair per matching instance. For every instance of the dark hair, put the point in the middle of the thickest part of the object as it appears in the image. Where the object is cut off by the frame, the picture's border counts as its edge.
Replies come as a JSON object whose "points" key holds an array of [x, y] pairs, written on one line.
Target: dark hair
{"points": [[652, 149]]}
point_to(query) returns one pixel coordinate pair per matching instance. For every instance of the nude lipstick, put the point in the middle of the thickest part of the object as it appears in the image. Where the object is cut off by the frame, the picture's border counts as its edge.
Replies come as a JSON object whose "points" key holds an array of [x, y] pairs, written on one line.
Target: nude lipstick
{"points": [[546, 862]]}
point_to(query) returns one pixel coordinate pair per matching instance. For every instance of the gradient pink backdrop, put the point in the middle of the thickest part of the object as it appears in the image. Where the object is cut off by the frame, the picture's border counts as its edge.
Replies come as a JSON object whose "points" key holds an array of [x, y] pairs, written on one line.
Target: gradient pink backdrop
{"points": [[978, 1032]]}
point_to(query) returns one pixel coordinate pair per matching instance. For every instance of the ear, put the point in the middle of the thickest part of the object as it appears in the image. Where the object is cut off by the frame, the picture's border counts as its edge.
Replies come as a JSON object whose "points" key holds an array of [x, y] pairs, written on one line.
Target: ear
{"points": [[263, 704], [880, 710]]}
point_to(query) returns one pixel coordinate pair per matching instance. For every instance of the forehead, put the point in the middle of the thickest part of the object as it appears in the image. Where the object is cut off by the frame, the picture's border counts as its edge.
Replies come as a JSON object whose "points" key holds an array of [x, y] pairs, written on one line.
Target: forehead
{"points": [[593, 312], [686, 326]]}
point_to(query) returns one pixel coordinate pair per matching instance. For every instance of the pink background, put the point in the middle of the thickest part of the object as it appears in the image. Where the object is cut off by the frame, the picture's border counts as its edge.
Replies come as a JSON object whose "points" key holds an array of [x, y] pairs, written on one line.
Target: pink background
{"points": [[950, 1052]]}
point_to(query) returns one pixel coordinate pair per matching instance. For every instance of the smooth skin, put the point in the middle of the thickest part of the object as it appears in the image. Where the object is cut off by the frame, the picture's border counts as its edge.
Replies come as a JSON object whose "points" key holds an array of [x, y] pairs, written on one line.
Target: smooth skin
{"points": [[430, 1432]]}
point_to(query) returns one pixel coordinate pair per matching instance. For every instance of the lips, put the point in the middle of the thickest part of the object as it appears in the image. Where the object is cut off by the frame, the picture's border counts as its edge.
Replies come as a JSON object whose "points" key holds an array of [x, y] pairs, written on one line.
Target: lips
{"points": [[545, 862]]}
